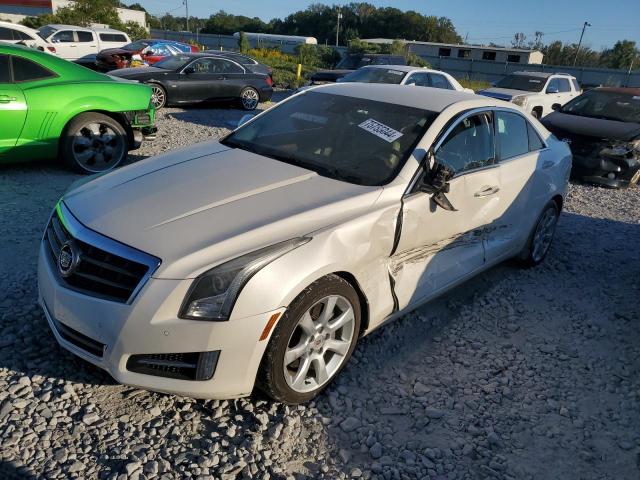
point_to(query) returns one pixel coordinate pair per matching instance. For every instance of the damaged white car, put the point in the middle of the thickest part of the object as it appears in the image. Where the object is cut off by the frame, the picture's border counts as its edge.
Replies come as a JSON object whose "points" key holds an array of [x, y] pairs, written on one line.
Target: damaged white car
{"points": [[262, 259]]}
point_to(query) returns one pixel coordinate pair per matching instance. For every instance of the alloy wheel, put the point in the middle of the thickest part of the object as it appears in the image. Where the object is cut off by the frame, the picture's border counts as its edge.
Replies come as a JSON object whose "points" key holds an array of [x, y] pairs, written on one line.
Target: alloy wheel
{"points": [[319, 344], [250, 99], [158, 97], [97, 147], [544, 234]]}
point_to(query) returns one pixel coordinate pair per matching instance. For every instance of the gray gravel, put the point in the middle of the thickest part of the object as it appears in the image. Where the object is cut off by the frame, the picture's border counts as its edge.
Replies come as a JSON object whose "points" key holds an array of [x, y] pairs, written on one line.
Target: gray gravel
{"points": [[521, 374]]}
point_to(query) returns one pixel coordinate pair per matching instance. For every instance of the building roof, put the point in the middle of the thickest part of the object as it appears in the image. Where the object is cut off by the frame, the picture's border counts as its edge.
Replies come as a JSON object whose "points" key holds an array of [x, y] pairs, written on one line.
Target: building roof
{"points": [[427, 98], [450, 45]]}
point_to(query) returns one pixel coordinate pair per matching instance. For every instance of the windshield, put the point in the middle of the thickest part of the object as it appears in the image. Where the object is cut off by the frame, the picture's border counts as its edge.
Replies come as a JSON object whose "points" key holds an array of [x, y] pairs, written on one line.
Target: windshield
{"points": [[353, 62], [374, 75], [135, 46], [608, 105], [46, 32], [174, 62], [522, 82], [351, 139]]}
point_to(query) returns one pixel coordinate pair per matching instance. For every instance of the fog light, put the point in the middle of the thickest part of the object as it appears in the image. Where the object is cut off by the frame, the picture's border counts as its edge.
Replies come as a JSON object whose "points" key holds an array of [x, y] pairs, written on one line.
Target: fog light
{"points": [[611, 175]]}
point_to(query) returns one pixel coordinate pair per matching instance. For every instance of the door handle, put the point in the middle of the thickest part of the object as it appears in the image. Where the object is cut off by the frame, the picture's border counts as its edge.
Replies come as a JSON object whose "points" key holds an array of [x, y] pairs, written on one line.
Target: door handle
{"points": [[485, 191], [221, 77], [7, 99]]}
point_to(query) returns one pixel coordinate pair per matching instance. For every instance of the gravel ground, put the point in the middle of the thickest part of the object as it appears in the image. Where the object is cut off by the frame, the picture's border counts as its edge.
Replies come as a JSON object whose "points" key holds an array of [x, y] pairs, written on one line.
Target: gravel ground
{"points": [[521, 374]]}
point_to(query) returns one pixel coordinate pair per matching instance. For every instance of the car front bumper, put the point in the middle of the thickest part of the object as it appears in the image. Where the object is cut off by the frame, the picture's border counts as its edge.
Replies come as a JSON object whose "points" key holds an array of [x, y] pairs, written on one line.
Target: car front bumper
{"points": [[107, 334], [606, 171]]}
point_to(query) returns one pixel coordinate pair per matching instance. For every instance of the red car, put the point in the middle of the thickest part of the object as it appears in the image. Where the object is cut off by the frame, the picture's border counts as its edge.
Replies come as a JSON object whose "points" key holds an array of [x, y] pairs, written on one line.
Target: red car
{"points": [[147, 52]]}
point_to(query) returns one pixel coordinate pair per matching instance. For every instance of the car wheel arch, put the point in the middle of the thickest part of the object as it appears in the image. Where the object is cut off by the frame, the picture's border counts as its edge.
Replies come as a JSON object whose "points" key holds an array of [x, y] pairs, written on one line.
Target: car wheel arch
{"points": [[117, 116]]}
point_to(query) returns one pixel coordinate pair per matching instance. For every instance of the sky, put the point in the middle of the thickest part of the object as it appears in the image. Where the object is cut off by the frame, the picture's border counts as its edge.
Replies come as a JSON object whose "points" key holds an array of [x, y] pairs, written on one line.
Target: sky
{"points": [[483, 21]]}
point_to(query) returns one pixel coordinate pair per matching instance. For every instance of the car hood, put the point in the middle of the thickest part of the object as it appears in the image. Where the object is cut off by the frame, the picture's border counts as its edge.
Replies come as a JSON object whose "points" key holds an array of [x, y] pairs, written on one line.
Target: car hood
{"points": [[198, 206], [562, 123], [503, 93]]}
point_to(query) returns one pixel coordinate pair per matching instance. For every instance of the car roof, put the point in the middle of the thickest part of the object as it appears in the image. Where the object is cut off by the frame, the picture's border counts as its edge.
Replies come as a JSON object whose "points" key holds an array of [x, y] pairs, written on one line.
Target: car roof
{"points": [[17, 26], [542, 74], [635, 91], [59, 26], [108, 30], [404, 68], [428, 98]]}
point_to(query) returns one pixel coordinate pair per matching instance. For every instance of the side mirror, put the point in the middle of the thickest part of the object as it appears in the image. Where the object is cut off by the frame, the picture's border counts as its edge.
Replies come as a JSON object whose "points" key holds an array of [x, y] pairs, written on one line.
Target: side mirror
{"points": [[189, 70], [556, 107], [553, 90], [436, 182], [244, 119], [150, 53]]}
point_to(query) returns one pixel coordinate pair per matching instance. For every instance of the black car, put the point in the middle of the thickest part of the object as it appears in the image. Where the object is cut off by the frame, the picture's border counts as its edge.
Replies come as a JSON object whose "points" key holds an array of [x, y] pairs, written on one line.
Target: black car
{"points": [[201, 77], [602, 128], [246, 61], [353, 62]]}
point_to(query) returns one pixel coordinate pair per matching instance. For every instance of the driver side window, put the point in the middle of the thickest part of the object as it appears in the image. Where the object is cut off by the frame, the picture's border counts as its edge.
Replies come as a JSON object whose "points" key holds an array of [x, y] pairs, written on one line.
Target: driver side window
{"points": [[470, 145]]}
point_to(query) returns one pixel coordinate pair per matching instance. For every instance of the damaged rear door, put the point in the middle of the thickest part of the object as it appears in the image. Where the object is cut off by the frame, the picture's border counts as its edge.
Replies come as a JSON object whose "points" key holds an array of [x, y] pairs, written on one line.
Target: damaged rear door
{"points": [[436, 247]]}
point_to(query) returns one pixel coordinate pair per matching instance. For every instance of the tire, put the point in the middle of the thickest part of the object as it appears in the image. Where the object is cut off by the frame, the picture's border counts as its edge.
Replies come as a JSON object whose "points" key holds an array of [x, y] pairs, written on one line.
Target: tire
{"points": [[275, 378], [539, 241], [93, 143], [158, 95], [249, 98]]}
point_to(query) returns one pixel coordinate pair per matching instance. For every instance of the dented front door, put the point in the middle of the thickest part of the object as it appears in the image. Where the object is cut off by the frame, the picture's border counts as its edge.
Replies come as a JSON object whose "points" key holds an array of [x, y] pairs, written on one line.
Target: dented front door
{"points": [[437, 247]]}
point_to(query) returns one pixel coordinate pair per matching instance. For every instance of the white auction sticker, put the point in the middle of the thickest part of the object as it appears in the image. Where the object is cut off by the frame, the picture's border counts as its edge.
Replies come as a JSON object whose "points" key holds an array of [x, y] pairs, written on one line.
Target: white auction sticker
{"points": [[380, 130]]}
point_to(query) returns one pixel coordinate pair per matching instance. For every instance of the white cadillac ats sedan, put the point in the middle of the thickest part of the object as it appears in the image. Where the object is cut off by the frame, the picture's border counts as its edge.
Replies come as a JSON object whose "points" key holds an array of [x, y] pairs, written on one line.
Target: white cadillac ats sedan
{"points": [[262, 258]]}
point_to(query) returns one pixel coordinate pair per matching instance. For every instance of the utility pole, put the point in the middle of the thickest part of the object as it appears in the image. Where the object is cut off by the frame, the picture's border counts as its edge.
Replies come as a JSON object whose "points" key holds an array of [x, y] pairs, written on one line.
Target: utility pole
{"points": [[584, 27], [338, 27], [186, 4]]}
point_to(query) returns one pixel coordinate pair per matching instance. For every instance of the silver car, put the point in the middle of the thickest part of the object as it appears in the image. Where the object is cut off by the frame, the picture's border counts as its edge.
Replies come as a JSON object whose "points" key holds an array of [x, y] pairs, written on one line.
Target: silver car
{"points": [[264, 257]]}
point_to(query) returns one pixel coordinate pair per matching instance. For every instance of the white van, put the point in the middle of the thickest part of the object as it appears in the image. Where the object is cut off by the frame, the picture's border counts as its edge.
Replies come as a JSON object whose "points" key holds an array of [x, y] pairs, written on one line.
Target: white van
{"points": [[78, 43], [19, 34]]}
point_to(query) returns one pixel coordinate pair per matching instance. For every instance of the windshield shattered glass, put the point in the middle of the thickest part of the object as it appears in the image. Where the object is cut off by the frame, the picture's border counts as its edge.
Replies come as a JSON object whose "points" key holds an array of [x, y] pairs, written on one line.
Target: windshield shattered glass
{"points": [[351, 139]]}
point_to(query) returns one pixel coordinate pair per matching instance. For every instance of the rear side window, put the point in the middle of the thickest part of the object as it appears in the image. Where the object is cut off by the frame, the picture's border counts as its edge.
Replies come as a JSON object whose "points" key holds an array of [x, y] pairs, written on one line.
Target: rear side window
{"points": [[512, 134], [26, 71], [535, 142], [84, 36], [4, 69], [112, 37]]}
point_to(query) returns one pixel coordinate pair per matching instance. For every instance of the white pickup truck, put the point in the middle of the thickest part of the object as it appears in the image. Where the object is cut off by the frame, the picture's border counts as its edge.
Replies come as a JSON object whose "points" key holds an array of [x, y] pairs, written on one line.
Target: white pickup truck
{"points": [[80, 43], [538, 93]]}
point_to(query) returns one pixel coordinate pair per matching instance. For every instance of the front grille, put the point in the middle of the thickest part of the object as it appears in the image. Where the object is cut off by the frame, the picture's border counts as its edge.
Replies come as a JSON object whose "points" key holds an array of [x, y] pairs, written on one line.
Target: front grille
{"points": [[96, 272], [78, 339], [182, 366]]}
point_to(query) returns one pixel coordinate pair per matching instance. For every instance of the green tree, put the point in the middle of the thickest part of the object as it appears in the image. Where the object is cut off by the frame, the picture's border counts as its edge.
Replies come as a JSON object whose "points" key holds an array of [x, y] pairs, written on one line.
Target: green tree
{"points": [[624, 54], [243, 43]]}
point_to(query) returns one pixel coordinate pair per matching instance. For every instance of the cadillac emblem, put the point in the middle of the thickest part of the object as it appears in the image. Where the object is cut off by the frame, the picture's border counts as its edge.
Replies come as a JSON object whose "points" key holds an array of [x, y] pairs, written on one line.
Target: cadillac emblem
{"points": [[67, 259]]}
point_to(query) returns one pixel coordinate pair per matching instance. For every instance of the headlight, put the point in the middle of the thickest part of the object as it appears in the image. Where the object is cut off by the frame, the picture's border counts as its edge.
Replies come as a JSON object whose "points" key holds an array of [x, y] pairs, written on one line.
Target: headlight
{"points": [[521, 100], [212, 295]]}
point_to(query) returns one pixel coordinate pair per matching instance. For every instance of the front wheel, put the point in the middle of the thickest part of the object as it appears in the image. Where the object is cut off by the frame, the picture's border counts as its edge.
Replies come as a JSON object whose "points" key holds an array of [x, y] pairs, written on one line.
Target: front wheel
{"points": [[540, 239], [94, 143], [312, 342], [158, 95], [249, 98]]}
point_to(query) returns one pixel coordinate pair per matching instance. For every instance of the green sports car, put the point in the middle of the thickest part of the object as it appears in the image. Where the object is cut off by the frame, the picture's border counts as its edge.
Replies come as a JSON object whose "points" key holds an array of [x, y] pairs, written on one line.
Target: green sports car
{"points": [[51, 108]]}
